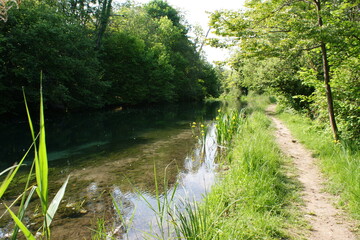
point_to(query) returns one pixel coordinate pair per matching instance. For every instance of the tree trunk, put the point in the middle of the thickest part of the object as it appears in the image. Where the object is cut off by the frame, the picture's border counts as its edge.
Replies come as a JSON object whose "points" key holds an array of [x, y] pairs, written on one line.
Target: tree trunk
{"points": [[104, 19], [326, 69], [329, 98]]}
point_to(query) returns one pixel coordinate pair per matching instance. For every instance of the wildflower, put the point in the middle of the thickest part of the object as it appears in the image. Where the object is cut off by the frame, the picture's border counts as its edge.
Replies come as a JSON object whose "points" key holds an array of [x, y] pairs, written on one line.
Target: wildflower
{"points": [[217, 118], [219, 110], [202, 125]]}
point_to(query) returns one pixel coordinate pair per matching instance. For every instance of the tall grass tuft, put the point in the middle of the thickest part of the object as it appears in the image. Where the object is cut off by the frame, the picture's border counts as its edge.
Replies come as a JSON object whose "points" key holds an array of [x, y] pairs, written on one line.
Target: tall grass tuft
{"points": [[41, 187], [228, 125], [192, 222], [163, 208], [339, 161]]}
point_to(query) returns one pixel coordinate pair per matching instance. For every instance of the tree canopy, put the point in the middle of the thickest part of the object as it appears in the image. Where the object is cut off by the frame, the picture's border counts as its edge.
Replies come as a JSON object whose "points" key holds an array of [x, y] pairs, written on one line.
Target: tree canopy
{"points": [[95, 54], [306, 52]]}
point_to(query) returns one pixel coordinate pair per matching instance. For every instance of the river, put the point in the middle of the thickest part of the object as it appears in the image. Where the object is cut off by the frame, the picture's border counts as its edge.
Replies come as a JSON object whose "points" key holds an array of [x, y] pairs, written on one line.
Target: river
{"points": [[111, 157]]}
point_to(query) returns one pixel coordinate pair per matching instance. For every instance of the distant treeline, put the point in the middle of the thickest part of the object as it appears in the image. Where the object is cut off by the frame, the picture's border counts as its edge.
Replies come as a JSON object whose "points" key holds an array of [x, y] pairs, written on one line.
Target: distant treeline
{"points": [[95, 54]]}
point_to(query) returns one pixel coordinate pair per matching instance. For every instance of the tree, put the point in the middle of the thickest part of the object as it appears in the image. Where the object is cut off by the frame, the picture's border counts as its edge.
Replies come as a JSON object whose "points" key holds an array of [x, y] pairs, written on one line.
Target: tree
{"points": [[36, 38], [171, 69], [159, 9], [5, 6], [102, 20], [92, 56], [287, 30]]}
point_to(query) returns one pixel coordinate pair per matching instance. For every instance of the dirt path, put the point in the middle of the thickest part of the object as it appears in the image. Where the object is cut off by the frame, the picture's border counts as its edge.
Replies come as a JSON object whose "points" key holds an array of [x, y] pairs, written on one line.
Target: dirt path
{"points": [[327, 222]]}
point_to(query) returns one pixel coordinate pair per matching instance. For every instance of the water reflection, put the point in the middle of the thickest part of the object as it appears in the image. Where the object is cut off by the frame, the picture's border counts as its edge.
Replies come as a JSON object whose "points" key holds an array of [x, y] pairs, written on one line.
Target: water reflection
{"points": [[141, 213], [73, 136]]}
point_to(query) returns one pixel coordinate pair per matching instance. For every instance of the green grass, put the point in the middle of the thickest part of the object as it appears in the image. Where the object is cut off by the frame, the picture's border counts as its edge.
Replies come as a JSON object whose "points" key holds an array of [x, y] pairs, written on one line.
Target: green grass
{"points": [[254, 198], [339, 162]]}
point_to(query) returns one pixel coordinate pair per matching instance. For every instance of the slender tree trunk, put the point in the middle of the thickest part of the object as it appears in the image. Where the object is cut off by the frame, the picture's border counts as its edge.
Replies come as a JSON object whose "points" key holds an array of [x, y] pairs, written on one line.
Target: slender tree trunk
{"points": [[329, 97], [326, 69], [104, 19]]}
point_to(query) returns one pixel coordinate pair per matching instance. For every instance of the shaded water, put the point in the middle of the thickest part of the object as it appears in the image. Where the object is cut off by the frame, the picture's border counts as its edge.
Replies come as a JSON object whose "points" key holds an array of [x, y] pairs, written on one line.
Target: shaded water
{"points": [[114, 153]]}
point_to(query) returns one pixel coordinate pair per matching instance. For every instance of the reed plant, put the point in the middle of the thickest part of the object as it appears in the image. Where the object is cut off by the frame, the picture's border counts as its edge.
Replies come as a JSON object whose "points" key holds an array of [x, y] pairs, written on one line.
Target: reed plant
{"points": [[228, 125], [340, 161], [100, 232], [40, 164], [163, 209]]}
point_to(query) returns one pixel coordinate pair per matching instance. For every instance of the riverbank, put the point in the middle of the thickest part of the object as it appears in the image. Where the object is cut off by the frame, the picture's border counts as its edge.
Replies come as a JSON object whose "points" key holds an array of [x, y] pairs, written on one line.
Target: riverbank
{"points": [[263, 194], [255, 198]]}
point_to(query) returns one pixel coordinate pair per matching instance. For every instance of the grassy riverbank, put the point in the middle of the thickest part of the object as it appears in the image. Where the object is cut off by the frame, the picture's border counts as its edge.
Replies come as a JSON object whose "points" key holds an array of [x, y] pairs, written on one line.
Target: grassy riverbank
{"points": [[339, 161], [254, 199]]}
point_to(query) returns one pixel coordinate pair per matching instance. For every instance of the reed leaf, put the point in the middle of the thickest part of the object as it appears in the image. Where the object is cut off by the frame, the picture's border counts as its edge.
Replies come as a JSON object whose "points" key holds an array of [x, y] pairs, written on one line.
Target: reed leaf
{"points": [[22, 227], [29, 117], [40, 159], [9, 169], [24, 203], [42, 175], [55, 203]]}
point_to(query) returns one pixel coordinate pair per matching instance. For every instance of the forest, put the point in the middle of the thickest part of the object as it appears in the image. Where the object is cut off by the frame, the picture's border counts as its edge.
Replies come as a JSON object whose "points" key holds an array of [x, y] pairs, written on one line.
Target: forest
{"points": [[98, 53], [307, 53]]}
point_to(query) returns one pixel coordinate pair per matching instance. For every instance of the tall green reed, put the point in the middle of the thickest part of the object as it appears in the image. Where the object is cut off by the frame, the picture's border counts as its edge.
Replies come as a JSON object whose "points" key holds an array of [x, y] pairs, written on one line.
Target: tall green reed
{"points": [[228, 125], [41, 188], [164, 207]]}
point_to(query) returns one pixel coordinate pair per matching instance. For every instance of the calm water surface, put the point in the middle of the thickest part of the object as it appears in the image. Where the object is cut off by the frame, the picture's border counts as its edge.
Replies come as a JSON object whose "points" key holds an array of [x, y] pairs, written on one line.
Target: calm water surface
{"points": [[110, 157]]}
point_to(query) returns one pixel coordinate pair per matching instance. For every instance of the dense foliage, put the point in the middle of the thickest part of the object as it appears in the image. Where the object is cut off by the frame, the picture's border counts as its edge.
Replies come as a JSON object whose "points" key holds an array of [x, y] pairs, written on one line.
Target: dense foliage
{"points": [[94, 55], [306, 52]]}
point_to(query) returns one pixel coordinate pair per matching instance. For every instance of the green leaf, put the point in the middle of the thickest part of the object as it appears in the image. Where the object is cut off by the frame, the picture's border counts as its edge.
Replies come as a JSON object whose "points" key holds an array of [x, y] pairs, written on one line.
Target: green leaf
{"points": [[42, 147], [22, 210], [41, 161], [22, 227], [29, 117], [55, 203]]}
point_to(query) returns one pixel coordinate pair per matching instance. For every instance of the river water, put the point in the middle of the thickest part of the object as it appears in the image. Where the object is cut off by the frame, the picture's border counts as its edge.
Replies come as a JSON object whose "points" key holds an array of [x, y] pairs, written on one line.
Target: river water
{"points": [[112, 157]]}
